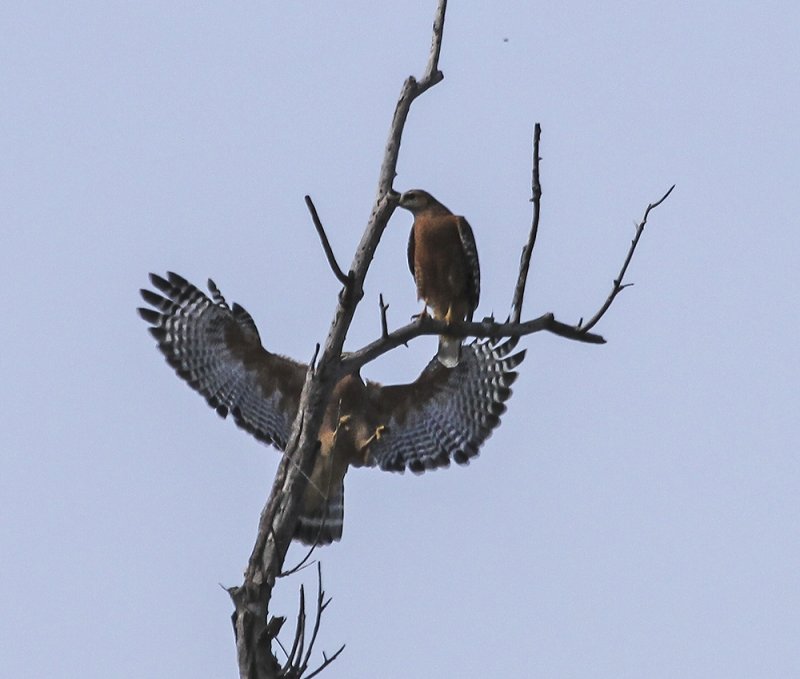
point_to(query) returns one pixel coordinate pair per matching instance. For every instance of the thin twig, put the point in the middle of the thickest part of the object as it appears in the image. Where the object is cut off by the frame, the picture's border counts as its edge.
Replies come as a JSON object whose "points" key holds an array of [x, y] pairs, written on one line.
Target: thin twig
{"points": [[384, 323], [618, 286], [327, 661], [300, 566], [282, 647], [527, 251], [344, 279]]}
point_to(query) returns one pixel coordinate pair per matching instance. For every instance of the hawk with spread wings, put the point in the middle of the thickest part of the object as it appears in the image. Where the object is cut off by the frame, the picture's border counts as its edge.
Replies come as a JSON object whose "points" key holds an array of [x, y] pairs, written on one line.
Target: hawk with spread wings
{"points": [[445, 414], [443, 259]]}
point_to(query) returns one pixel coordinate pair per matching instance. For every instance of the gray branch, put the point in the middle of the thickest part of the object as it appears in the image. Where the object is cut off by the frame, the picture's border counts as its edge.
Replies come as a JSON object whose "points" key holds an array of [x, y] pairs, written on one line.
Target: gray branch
{"points": [[487, 328], [527, 251], [326, 244], [618, 286]]}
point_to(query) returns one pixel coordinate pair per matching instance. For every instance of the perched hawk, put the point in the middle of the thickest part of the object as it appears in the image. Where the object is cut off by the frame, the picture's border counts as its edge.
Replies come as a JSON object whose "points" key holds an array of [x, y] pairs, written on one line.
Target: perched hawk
{"points": [[444, 414], [444, 262]]}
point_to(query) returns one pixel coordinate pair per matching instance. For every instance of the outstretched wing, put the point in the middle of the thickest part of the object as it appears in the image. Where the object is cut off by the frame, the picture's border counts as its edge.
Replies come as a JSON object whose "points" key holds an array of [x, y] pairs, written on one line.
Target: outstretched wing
{"points": [[217, 351], [447, 413], [471, 264]]}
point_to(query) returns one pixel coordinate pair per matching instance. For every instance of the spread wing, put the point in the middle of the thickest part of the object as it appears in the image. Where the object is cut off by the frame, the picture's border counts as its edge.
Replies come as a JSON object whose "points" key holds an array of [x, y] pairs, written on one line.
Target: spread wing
{"points": [[447, 413], [217, 351], [472, 265]]}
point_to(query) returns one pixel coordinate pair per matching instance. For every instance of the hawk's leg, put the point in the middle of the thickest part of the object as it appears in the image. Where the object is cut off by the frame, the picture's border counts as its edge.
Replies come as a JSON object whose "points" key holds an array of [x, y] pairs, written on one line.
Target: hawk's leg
{"points": [[342, 423], [380, 431]]}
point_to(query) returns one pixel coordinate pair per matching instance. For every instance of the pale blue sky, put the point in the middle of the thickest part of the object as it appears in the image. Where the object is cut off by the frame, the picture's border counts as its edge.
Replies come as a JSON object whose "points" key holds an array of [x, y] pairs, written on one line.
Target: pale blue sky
{"points": [[636, 515]]}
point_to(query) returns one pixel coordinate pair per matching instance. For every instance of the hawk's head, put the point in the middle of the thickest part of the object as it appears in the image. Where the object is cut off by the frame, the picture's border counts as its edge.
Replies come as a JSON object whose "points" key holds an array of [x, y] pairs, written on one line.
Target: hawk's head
{"points": [[417, 200]]}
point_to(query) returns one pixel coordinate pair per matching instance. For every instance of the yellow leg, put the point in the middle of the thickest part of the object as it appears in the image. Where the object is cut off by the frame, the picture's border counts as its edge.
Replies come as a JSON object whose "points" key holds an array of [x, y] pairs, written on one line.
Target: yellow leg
{"points": [[343, 420], [380, 431]]}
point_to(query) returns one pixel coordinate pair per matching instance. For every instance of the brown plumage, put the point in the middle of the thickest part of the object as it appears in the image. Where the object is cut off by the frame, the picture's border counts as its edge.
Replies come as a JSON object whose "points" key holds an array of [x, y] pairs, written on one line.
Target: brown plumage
{"points": [[443, 259], [444, 414]]}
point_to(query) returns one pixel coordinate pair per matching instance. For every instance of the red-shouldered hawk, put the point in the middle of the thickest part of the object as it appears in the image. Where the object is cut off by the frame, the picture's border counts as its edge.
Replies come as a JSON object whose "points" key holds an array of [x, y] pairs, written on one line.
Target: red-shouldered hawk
{"points": [[443, 259], [444, 414]]}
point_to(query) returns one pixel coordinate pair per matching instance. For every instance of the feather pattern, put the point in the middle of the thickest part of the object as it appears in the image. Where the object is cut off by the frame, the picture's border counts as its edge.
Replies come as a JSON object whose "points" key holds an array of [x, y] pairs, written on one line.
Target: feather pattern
{"points": [[445, 414]]}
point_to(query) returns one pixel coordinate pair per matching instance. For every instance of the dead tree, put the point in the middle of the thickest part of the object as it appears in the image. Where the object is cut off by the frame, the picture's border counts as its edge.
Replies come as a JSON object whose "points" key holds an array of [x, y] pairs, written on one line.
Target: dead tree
{"points": [[254, 628]]}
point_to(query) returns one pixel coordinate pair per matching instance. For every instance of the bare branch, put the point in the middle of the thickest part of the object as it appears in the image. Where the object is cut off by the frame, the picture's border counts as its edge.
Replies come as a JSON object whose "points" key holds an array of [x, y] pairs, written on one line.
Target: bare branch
{"points": [[432, 73], [527, 251], [343, 278], [618, 286], [300, 566], [487, 328], [412, 88], [327, 661]]}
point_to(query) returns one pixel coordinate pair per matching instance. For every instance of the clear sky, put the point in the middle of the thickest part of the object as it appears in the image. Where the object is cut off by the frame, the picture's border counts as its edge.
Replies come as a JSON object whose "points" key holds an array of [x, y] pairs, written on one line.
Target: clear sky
{"points": [[636, 514]]}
